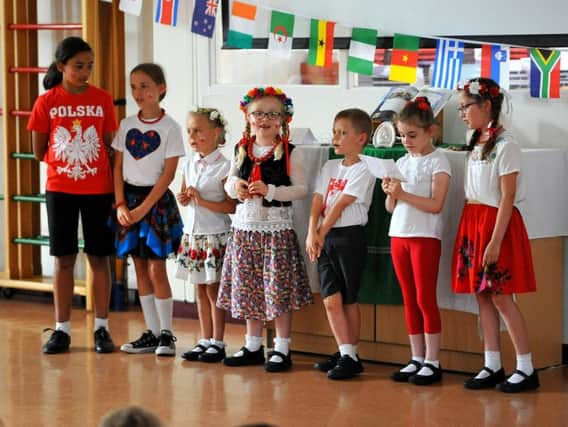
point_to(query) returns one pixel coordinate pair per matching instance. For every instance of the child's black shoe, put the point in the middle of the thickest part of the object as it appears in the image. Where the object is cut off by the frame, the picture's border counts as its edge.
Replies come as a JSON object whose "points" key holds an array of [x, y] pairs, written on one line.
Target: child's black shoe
{"points": [[529, 382], [327, 364], [402, 377], [346, 368], [285, 365], [494, 378], [246, 357], [212, 357], [436, 376], [58, 342], [193, 354]]}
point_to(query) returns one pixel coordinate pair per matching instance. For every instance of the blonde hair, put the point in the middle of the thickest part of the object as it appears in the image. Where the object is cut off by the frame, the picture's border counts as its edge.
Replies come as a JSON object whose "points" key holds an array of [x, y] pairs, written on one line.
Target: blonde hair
{"points": [[248, 139]]}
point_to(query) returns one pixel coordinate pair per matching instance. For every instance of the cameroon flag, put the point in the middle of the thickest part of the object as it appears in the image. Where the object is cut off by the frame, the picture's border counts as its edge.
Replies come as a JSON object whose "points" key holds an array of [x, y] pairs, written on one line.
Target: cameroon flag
{"points": [[321, 43], [404, 58]]}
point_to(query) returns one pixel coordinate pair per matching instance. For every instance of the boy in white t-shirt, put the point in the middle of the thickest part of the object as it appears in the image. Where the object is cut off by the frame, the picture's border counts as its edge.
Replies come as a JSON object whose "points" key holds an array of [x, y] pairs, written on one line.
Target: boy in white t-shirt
{"points": [[416, 232], [336, 237]]}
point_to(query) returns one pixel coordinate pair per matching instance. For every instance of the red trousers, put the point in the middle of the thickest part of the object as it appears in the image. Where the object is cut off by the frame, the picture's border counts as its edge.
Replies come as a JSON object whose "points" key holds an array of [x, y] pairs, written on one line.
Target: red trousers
{"points": [[416, 261]]}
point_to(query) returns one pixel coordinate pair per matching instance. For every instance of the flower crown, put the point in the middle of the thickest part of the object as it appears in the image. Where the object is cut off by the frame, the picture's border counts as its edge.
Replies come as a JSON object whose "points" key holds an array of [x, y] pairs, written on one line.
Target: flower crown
{"points": [[259, 92], [213, 115], [475, 87]]}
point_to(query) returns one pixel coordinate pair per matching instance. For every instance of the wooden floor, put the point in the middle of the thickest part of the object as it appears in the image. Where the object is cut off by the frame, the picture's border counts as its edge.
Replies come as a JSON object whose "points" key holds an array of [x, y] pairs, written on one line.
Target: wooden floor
{"points": [[78, 388]]}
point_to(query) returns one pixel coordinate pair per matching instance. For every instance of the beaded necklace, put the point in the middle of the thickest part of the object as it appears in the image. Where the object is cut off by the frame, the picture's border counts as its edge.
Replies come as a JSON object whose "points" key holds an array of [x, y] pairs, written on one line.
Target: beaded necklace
{"points": [[151, 121], [256, 173]]}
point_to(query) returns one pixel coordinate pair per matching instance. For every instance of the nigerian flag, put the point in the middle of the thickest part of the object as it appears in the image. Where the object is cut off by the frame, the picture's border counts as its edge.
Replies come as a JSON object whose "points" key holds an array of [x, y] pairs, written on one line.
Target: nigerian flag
{"points": [[362, 51]]}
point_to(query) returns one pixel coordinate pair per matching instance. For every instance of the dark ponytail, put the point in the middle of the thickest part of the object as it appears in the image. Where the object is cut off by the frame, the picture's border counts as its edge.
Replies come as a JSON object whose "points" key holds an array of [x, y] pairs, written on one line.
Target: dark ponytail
{"points": [[67, 49]]}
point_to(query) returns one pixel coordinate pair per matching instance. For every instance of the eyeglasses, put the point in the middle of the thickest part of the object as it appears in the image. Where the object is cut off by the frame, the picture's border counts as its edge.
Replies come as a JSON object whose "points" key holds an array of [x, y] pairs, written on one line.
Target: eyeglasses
{"points": [[270, 115], [463, 108]]}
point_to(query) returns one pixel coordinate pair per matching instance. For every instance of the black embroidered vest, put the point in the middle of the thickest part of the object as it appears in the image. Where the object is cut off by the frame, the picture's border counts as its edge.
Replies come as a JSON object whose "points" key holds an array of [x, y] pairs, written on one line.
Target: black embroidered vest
{"points": [[273, 172]]}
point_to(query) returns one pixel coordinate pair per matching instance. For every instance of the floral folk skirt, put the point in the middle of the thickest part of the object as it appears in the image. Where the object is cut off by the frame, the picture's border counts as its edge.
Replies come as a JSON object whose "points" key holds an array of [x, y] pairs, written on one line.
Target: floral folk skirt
{"points": [[264, 275], [157, 235], [200, 258], [512, 273]]}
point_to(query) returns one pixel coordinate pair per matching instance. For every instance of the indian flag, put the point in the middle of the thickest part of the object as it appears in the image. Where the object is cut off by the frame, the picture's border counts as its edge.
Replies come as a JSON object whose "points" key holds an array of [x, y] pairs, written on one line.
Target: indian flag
{"points": [[404, 58], [321, 43], [241, 25], [362, 51], [281, 33]]}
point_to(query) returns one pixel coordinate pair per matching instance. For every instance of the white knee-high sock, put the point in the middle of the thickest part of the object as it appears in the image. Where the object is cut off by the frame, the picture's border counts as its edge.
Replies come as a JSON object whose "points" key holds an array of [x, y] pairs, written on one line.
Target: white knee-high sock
{"points": [[165, 309], [150, 314]]}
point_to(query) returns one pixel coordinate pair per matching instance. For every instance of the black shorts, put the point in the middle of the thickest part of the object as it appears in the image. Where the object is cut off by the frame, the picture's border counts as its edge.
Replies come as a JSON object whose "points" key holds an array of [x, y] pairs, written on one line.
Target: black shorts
{"points": [[341, 263], [63, 220]]}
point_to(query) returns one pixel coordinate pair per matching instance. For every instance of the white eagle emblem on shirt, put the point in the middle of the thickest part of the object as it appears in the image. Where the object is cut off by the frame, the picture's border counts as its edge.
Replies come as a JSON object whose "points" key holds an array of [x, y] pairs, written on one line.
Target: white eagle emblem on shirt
{"points": [[78, 151]]}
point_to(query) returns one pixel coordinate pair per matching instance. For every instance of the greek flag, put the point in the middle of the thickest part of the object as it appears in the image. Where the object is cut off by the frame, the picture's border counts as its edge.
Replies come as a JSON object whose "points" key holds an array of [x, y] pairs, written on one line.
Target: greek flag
{"points": [[448, 64]]}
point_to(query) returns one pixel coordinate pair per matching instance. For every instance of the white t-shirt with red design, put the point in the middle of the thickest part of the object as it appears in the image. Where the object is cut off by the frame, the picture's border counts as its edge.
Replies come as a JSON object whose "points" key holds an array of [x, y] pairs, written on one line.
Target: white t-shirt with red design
{"points": [[355, 180], [77, 161]]}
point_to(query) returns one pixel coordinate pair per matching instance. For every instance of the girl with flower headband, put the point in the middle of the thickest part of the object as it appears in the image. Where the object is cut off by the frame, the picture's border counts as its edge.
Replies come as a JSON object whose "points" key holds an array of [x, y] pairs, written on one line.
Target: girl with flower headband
{"points": [[416, 231], [492, 256], [264, 276], [148, 224], [206, 227]]}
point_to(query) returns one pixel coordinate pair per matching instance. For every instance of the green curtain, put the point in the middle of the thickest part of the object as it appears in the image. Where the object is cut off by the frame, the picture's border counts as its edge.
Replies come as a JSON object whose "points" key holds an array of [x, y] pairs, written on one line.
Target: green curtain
{"points": [[379, 281]]}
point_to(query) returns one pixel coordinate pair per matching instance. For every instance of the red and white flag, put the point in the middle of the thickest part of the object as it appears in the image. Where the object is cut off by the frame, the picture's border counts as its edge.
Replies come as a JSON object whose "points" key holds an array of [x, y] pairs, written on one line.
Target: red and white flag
{"points": [[166, 12]]}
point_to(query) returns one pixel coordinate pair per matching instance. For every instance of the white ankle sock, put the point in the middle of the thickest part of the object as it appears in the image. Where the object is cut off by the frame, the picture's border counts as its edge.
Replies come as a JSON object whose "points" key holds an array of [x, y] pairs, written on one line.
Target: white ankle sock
{"points": [[202, 341], [524, 364], [150, 314], [349, 350], [212, 350], [281, 345], [165, 310], [492, 361], [410, 367], [63, 326], [426, 371], [101, 323], [251, 344]]}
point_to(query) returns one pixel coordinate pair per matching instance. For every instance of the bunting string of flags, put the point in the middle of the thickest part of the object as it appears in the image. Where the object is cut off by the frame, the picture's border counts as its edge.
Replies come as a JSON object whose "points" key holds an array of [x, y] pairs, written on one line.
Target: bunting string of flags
{"points": [[447, 67]]}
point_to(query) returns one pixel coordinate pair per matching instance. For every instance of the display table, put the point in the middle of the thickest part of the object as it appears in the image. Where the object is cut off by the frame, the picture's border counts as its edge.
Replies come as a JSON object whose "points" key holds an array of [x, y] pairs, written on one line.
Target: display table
{"points": [[383, 331]]}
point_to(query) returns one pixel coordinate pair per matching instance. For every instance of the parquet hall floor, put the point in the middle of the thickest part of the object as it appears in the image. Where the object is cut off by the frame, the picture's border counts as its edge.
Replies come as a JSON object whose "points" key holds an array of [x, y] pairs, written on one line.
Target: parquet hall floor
{"points": [[78, 388]]}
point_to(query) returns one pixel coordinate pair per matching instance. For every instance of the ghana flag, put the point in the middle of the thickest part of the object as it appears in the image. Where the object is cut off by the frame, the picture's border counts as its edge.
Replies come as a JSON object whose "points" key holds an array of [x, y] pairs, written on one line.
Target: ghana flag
{"points": [[404, 58], [321, 43]]}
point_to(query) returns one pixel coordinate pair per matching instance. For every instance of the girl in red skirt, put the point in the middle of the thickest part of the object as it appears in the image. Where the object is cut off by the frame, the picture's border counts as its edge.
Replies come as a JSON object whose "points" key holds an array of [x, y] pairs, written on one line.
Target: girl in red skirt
{"points": [[492, 256]]}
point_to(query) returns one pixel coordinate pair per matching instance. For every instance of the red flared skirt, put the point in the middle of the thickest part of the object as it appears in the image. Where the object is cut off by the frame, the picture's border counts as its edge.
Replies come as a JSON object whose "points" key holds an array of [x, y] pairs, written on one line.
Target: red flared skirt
{"points": [[512, 273]]}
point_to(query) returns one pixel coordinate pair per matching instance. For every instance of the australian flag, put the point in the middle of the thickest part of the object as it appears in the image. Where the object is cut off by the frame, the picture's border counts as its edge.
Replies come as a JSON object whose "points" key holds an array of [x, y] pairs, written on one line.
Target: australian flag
{"points": [[204, 13], [448, 64]]}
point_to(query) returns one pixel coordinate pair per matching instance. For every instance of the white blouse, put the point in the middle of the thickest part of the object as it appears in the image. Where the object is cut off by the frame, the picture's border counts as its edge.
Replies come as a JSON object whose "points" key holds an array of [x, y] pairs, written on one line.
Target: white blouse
{"points": [[206, 174], [251, 215], [482, 176]]}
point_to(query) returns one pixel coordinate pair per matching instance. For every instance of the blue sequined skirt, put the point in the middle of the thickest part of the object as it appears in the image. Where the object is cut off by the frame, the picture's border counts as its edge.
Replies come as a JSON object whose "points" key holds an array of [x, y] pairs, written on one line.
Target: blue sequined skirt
{"points": [[157, 235]]}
